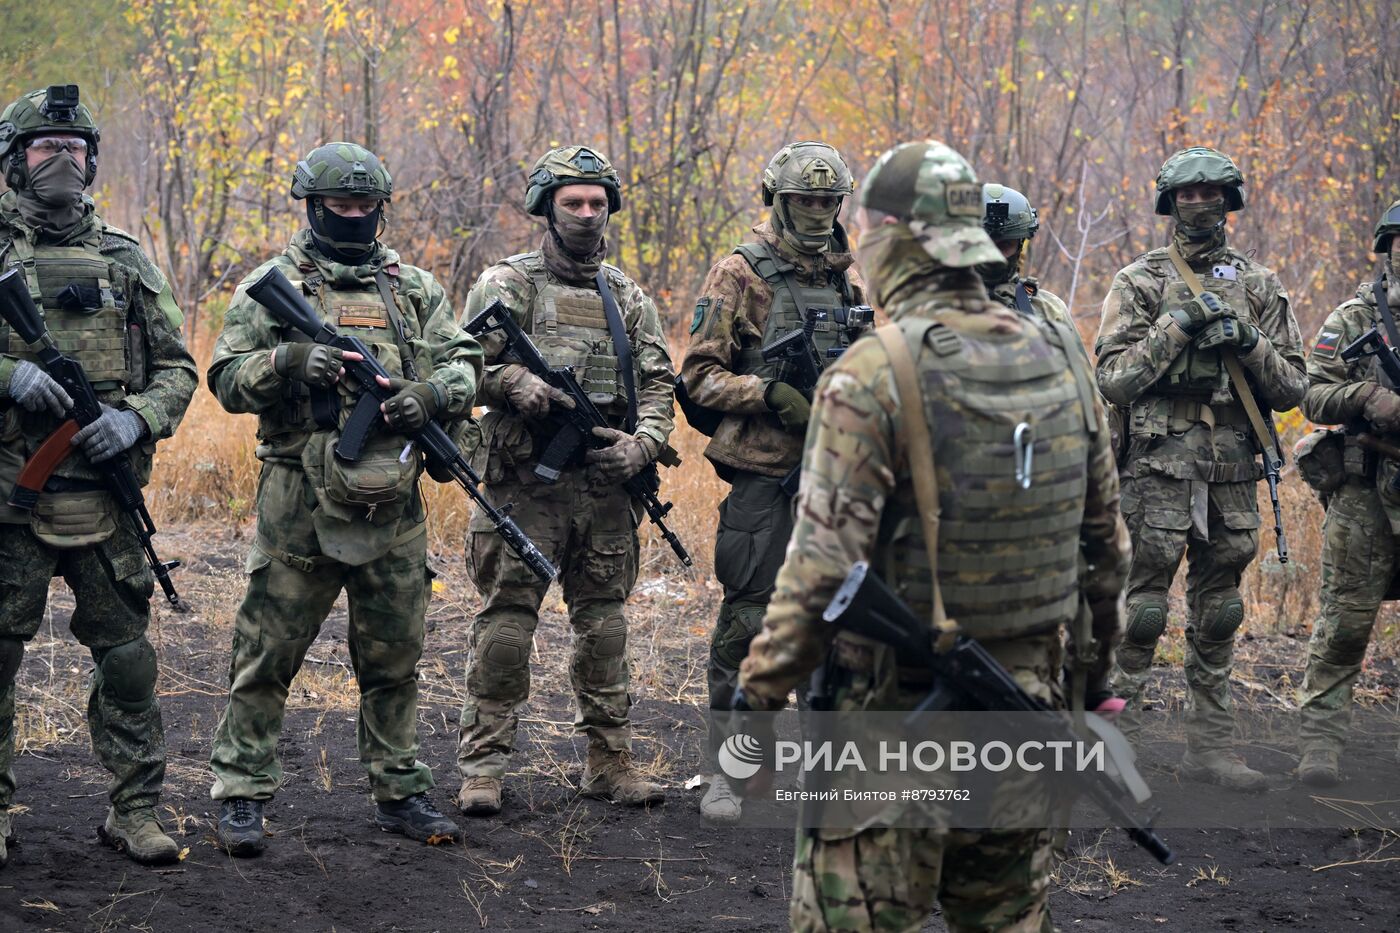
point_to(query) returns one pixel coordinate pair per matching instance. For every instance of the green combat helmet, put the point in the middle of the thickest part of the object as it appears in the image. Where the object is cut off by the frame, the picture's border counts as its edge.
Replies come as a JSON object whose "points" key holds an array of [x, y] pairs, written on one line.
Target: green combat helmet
{"points": [[804, 168], [342, 170], [1199, 166], [570, 165], [931, 187], [54, 110], [1007, 214], [1386, 228]]}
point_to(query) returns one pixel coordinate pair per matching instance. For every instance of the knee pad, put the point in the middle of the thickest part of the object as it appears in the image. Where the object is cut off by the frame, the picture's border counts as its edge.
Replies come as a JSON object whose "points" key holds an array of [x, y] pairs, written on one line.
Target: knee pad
{"points": [[1221, 624], [610, 639], [1146, 623], [1345, 645], [129, 673], [11, 653], [504, 643]]}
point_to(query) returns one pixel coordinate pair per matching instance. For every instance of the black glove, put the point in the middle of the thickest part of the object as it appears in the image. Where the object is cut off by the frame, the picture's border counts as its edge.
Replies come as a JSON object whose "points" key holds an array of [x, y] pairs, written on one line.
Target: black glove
{"points": [[1229, 332], [1198, 312], [413, 405], [311, 363]]}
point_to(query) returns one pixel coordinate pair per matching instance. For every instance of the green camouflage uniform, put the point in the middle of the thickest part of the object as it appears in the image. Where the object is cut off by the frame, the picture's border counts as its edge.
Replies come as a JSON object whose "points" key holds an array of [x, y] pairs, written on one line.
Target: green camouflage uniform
{"points": [[307, 549], [146, 370], [588, 528], [750, 448], [1190, 473], [857, 503], [1359, 545], [1045, 304]]}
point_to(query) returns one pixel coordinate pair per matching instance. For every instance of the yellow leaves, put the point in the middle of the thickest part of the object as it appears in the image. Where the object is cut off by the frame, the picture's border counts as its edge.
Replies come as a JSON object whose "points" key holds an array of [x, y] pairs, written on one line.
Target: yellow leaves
{"points": [[1167, 63], [449, 68], [450, 35]]}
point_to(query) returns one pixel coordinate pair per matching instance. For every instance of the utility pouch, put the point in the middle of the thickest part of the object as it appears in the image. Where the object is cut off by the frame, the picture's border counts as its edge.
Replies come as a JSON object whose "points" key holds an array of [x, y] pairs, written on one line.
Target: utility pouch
{"points": [[74, 519], [1319, 457], [377, 486]]}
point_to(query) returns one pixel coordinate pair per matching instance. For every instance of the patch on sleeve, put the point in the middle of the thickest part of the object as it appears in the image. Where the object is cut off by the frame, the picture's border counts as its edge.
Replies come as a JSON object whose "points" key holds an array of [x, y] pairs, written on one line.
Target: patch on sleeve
{"points": [[699, 318], [1327, 343]]}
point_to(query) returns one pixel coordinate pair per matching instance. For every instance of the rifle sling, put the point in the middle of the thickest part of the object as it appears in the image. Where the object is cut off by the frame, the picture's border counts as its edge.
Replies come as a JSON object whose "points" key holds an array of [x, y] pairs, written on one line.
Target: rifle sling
{"points": [[1023, 300], [1383, 306], [621, 347], [391, 308], [1232, 367]]}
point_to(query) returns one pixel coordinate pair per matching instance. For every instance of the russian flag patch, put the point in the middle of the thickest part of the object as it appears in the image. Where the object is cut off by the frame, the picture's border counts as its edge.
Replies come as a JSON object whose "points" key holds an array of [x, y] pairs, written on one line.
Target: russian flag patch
{"points": [[1327, 343]]}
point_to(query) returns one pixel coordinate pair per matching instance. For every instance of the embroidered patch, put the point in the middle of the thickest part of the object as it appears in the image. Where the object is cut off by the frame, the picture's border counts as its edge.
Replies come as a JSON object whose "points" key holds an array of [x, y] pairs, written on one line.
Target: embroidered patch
{"points": [[699, 318], [1327, 343]]}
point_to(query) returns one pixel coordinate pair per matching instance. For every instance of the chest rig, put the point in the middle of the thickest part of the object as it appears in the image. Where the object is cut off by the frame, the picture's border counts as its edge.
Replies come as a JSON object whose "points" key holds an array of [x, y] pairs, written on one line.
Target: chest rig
{"points": [[1197, 373], [793, 304], [570, 327], [1013, 421]]}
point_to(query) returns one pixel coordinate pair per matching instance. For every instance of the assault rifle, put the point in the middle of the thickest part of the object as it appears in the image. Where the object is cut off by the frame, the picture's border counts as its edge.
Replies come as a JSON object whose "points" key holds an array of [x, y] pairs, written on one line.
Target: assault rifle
{"points": [[800, 363], [574, 427], [966, 677], [285, 302], [18, 310], [1387, 356]]}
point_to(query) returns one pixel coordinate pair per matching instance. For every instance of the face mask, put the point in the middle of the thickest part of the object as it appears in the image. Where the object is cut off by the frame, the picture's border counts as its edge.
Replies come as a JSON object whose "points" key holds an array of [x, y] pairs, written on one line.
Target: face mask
{"points": [[52, 201], [580, 236], [807, 230], [1199, 221], [1392, 287], [349, 240], [999, 273], [889, 258]]}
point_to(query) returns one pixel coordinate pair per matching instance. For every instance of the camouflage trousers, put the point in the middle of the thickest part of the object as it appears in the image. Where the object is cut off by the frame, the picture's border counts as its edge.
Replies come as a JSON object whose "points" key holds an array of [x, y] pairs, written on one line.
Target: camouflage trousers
{"points": [[287, 600], [889, 879], [590, 533], [1158, 510], [1358, 562], [755, 522], [112, 587]]}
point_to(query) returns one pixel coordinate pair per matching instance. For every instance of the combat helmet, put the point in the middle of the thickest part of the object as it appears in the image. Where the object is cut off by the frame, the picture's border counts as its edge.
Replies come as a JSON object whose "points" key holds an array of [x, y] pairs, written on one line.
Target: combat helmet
{"points": [[933, 189], [1007, 214], [343, 170], [1199, 166], [570, 165], [54, 110], [806, 168], [1386, 228]]}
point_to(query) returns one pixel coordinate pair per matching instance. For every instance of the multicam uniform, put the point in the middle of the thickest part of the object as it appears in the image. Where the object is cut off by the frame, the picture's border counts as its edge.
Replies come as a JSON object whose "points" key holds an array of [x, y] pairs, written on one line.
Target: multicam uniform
{"points": [[1007, 571]]}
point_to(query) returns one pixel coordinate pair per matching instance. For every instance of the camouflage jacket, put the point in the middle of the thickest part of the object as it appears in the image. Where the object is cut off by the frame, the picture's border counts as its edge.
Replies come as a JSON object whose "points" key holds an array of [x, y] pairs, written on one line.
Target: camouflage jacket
{"points": [[170, 373], [652, 359], [855, 480], [1044, 303], [241, 374], [730, 316], [1337, 390], [1138, 341]]}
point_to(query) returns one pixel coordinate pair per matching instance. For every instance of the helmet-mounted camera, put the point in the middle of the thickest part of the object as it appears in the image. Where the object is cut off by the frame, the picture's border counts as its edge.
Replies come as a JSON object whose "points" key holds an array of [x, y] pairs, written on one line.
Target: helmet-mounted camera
{"points": [[60, 103]]}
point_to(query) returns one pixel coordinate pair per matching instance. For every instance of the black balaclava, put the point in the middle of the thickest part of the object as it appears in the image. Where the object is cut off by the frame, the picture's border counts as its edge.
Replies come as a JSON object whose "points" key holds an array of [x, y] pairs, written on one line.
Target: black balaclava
{"points": [[349, 240]]}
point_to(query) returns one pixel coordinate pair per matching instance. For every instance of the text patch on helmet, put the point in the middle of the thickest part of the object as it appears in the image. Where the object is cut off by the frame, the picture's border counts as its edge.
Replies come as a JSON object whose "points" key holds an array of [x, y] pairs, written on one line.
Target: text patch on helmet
{"points": [[964, 199], [1327, 343], [361, 316]]}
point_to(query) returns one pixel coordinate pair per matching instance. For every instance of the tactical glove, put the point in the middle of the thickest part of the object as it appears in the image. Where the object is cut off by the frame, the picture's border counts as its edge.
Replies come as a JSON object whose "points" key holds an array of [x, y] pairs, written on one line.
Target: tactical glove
{"points": [[1383, 410], [34, 390], [114, 431], [1198, 312], [414, 403], [530, 394], [790, 405], [622, 460], [1229, 332], [311, 363]]}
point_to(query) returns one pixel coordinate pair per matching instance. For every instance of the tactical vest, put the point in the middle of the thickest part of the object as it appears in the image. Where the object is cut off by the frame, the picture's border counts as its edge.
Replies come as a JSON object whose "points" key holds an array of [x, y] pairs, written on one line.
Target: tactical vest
{"points": [[570, 328], [792, 303], [1008, 554], [1198, 373]]}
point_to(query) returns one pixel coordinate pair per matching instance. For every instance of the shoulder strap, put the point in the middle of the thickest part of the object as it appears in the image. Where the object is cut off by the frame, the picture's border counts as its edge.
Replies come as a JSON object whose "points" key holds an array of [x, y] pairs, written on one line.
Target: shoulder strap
{"points": [[1232, 366], [919, 449], [391, 308], [1023, 300], [1079, 366], [622, 347]]}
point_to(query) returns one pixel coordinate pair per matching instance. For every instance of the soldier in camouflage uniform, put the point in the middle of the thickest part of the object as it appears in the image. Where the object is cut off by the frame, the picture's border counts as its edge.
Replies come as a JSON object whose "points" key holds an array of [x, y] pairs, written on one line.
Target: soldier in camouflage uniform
{"points": [[1190, 472], [585, 522], [324, 525], [1011, 222], [110, 308], [1359, 547], [976, 360], [798, 263]]}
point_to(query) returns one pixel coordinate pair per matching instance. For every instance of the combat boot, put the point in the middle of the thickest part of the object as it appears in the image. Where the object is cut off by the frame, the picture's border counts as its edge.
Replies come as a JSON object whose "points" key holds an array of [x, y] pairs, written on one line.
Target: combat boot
{"points": [[480, 796], [140, 836], [1219, 766], [720, 804], [1319, 768], [7, 835], [417, 818], [610, 774], [241, 830]]}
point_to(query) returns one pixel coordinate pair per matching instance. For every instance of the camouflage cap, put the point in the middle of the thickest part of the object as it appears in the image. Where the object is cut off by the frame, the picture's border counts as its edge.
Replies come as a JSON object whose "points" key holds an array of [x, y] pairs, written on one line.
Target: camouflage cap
{"points": [[806, 168], [570, 165], [931, 187], [1386, 228], [1199, 166], [1007, 214], [343, 170]]}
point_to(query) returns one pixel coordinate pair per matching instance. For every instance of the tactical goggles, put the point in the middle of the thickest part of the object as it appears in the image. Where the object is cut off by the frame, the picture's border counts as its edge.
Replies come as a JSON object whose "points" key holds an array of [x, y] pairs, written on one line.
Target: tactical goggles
{"points": [[53, 145]]}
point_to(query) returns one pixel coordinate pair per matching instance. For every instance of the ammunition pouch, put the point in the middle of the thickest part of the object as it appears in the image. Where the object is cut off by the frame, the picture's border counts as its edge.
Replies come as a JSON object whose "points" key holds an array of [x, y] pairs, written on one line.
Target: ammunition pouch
{"points": [[1320, 457]]}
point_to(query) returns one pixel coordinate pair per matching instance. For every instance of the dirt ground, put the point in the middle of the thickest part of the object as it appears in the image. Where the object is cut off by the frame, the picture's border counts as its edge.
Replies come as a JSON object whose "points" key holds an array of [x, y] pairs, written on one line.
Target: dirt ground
{"points": [[554, 861]]}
